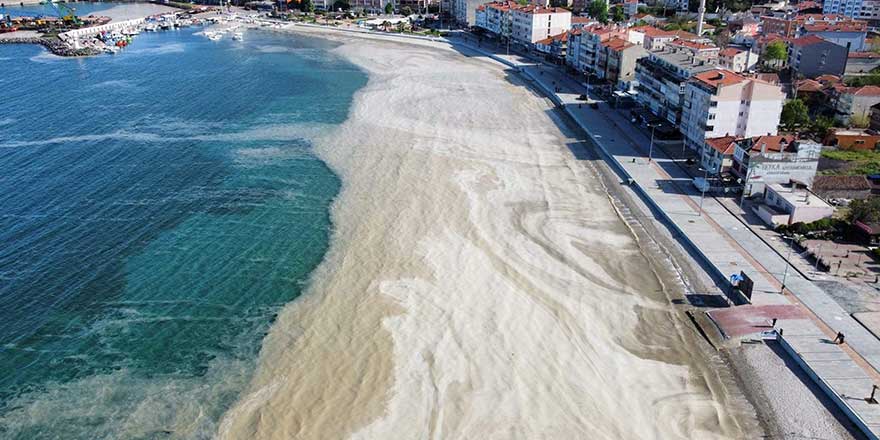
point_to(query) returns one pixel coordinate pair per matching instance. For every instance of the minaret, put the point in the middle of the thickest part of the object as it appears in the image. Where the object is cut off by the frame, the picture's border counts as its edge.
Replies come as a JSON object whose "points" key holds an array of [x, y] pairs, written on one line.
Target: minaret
{"points": [[700, 13]]}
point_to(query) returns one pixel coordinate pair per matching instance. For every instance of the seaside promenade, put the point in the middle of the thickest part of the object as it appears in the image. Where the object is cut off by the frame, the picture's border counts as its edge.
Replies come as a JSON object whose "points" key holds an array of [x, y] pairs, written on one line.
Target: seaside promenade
{"points": [[724, 244]]}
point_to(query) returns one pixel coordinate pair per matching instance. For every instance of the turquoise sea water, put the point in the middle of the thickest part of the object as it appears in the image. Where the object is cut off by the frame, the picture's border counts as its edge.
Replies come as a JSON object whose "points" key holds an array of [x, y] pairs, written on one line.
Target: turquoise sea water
{"points": [[157, 208]]}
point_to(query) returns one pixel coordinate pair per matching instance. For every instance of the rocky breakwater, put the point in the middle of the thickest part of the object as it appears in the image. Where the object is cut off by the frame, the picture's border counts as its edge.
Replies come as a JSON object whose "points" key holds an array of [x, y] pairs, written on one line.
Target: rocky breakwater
{"points": [[54, 45]]}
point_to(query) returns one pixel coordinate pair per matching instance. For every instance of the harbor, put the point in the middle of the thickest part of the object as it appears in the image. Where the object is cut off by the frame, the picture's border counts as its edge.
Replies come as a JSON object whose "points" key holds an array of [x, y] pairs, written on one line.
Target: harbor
{"points": [[70, 35]]}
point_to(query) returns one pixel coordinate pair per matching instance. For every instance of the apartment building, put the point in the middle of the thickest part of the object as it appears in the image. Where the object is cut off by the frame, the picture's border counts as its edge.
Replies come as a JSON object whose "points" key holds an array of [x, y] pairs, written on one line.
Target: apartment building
{"points": [[465, 11], [736, 59], [850, 34], [533, 23], [812, 56], [702, 51], [617, 62], [721, 103], [661, 78], [495, 17], [585, 46]]}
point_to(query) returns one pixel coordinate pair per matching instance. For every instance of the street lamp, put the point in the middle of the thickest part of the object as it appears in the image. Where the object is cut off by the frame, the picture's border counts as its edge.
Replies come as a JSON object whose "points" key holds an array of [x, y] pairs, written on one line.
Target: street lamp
{"points": [[785, 272], [703, 189], [651, 147]]}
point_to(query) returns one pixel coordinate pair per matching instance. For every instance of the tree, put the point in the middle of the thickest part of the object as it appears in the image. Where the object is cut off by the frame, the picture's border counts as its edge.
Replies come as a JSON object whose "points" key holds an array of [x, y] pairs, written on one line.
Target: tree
{"points": [[307, 6], [794, 114], [406, 11], [865, 211], [389, 8], [821, 125], [775, 51], [617, 14], [598, 9], [341, 4], [859, 121]]}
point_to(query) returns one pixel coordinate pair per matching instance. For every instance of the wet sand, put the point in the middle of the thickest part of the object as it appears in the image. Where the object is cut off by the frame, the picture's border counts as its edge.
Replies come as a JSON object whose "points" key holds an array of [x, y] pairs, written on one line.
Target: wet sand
{"points": [[480, 283]]}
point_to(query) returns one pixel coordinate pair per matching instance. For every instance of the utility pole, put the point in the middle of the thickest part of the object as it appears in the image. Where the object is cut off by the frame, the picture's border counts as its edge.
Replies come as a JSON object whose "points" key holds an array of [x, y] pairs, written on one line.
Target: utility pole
{"points": [[785, 273], [651, 147]]}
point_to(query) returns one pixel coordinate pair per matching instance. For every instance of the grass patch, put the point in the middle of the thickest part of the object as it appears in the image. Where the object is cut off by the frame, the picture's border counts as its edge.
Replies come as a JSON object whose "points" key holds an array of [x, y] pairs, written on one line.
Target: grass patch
{"points": [[857, 162]]}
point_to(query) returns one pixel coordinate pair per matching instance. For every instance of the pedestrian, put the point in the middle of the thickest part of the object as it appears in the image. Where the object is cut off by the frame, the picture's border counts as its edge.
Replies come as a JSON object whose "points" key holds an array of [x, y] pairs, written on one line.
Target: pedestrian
{"points": [[839, 338], [774, 323]]}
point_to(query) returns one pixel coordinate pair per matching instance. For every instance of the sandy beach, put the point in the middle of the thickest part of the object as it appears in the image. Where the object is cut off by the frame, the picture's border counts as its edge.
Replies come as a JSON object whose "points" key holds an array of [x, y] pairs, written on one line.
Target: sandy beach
{"points": [[480, 283]]}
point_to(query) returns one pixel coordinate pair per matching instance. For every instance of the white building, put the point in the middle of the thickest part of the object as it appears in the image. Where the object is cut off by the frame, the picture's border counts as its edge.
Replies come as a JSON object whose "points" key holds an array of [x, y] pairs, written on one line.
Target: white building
{"points": [[736, 59], [533, 23], [720, 103]]}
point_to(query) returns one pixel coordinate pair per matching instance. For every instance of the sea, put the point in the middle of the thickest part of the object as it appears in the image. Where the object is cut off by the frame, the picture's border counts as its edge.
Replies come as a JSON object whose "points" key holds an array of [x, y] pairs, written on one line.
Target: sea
{"points": [[158, 207]]}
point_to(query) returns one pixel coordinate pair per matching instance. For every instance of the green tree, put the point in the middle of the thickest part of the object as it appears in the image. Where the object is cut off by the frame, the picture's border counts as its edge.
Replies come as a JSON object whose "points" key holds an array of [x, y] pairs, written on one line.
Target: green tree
{"points": [[776, 51], [859, 121], [307, 6], [821, 125], [617, 14], [598, 9], [794, 114], [865, 211], [341, 4], [389, 8], [406, 10]]}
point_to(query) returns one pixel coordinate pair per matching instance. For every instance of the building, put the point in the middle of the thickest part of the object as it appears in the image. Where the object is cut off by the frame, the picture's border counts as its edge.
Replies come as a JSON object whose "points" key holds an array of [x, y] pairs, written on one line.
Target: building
{"points": [[720, 103], [589, 46], [661, 78], [736, 59], [853, 139], [465, 11], [534, 23], [862, 62], [495, 17], [860, 9], [875, 117], [744, 23], [849, 102], [650, 37], [841, 187], [762, 160], [717, 154], [701, 51], [789, 203], [812, 56], [554, 47], [850, 34], [617, 62], [676, 5]]}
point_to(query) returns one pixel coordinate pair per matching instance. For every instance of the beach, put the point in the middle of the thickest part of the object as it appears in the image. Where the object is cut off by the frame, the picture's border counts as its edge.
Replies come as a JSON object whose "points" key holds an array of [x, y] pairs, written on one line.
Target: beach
{"points": [[479, 282]]}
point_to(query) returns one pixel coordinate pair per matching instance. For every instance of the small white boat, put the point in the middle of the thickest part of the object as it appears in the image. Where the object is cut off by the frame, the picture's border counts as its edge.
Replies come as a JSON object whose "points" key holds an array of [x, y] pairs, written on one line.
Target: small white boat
{"points": [[213, 36], [152, 27], [238, 36]]}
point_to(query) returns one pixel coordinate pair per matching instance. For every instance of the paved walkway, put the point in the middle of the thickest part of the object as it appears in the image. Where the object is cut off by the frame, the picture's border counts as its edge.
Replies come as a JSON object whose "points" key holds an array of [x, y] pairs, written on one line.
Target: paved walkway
{"points": [[728, 246]]}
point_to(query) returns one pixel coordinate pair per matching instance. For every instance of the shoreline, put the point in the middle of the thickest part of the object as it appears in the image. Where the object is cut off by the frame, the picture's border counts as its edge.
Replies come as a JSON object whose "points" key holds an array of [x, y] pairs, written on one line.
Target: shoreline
{"points": [[266, 390]]}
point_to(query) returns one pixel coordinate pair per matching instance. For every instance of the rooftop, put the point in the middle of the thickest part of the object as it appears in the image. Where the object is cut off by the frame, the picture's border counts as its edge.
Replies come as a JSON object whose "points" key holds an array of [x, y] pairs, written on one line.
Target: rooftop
{"points": [[693, 45], [651, 31], [724, 145], [809, 85], [771, 143], [535, 9], [865, 55], [683, 60], [821, 183], [730, 51], [719, 78], [809, 40], [617, 44], [840, 26], [798, 198]]}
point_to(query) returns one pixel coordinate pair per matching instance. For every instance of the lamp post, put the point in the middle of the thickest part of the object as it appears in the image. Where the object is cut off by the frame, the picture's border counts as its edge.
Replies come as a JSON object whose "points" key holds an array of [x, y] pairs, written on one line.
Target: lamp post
{"points": [[785, 272], [703, 189], [651, 147]]}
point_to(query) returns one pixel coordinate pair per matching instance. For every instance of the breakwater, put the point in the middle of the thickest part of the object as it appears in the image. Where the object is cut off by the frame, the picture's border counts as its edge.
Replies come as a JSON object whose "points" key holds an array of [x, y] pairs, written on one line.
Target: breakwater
{"points": [[55, 46]]}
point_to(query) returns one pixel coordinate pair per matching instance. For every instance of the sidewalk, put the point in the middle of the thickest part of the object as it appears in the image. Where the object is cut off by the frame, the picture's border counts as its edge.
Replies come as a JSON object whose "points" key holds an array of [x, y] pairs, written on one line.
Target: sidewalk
{"points": [[728, 246]]}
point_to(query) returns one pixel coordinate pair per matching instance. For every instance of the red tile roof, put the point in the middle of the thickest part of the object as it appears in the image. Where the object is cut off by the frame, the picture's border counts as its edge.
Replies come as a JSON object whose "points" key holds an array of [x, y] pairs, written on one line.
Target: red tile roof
{"points": [[840, 26], [809, 40], [693, 45], [617, 44], [730, 51], [578, 19], [772, 143], [719, 77], [535, 9], [809, 85], [865, 91], [867, 55], [828, 78], [724, 145], [651, 31]]}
